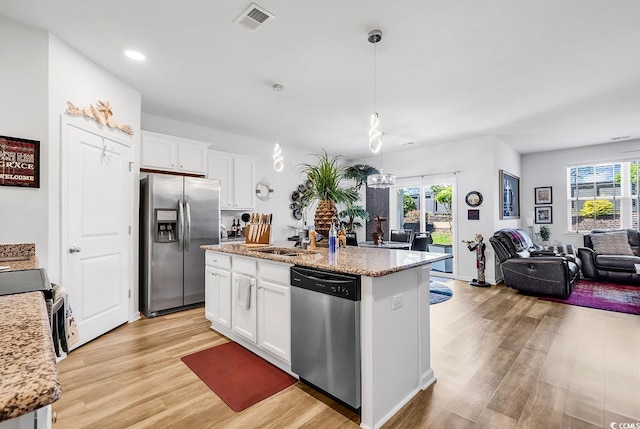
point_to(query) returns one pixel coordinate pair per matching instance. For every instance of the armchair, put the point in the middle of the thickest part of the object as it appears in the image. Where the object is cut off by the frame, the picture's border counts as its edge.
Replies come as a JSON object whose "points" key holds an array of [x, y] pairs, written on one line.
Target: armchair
{"points": [[613, 256], [528, 268]]}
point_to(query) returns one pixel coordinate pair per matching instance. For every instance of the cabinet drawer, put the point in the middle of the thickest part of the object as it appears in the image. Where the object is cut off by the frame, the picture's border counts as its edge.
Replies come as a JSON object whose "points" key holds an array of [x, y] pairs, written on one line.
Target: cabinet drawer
{"points": [[218, 260], [278, 273], [244, 265]]}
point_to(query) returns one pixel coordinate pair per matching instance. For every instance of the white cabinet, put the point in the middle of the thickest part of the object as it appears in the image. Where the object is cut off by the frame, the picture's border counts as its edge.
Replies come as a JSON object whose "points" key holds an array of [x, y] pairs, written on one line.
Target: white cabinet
{"points": [[237, 179], [244, 320], [243, 183], [217, 283], [274, 309], [163, 152], [218, 296], [244, 313], [264, 326], [29, 420]]}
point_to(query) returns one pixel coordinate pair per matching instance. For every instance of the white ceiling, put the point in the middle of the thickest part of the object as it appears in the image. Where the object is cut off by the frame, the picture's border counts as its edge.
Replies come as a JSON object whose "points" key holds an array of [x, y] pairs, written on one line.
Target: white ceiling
{"points": [[541, 74]]}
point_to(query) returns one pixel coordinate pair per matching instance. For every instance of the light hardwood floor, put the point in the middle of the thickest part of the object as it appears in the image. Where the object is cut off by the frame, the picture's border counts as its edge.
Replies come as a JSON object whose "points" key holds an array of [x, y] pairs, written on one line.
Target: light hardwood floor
{"points": [[503, 360]]}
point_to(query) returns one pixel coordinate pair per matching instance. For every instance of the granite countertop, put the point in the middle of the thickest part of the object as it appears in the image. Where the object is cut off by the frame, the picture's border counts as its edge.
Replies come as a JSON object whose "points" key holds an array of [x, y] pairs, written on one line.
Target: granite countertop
{"points": [[20, 256], [351, 260], [28, 372]]}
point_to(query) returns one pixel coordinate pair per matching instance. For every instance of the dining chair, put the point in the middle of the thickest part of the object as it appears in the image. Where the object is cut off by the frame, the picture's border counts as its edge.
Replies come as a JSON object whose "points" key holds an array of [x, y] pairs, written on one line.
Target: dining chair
{"points": [[421, 243], [401, 235]]}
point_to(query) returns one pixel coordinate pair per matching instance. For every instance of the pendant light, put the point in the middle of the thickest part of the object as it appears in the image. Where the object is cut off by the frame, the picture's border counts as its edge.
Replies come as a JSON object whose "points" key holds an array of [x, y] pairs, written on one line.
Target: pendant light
{"points": [[380, 180], [278, 163]]}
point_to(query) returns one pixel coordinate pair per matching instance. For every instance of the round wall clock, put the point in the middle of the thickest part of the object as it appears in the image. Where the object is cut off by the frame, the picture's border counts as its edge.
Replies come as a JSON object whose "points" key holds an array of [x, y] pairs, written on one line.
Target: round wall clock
{"points": [[473, 199]]}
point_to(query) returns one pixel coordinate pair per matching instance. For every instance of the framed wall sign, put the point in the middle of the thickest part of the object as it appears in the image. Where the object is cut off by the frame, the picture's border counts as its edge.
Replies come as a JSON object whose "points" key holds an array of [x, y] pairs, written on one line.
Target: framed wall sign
{"points": [[19, 162], [544, 214], [543, 195], [510, 192], [473, 214]]}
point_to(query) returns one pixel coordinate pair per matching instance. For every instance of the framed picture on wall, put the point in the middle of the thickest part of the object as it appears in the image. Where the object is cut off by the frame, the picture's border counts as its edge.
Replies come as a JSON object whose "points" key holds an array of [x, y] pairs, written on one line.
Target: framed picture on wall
{"points": [[543, 195], [510, 192], [19, 162], [544, 214]]}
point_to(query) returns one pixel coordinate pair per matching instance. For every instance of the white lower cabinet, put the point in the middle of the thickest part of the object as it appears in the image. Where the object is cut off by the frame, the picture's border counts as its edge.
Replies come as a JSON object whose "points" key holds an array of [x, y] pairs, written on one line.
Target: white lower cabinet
{"points": [[218, 296], [244, 320], [274, 319], [38, 419], [264, 326]]}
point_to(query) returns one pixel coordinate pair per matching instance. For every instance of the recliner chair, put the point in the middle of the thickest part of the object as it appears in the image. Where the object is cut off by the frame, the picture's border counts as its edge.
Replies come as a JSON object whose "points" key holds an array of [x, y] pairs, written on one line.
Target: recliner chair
{"points": [[528, 268]]}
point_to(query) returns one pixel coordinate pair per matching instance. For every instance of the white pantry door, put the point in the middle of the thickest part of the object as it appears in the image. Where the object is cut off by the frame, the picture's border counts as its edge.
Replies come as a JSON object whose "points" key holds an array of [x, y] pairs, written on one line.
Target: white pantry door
{"points": [[96, 216]]}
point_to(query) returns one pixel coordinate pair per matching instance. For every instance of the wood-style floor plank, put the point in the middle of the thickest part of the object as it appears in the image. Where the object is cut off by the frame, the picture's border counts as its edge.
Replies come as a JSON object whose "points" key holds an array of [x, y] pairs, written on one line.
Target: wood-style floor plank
{"points": [[502, 359]]}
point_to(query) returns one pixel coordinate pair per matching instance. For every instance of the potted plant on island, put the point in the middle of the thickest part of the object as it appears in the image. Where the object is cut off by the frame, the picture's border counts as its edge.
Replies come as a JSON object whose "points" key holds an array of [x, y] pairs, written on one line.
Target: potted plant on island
{"points": [[325, 178]]}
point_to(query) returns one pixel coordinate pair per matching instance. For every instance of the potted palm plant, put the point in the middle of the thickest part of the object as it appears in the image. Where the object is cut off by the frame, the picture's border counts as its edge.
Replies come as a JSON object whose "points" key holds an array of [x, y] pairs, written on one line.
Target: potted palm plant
{"points": [[325, 178]]}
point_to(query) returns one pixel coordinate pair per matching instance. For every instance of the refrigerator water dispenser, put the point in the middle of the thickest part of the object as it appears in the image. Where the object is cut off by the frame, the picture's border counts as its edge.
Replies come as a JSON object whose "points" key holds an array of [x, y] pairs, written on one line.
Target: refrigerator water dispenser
{"points": [[166, 225]]}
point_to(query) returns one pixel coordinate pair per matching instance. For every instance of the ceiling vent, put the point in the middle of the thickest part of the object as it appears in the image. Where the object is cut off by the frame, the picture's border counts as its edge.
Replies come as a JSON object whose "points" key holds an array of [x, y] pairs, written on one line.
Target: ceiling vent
{"points": [[254, 17]]}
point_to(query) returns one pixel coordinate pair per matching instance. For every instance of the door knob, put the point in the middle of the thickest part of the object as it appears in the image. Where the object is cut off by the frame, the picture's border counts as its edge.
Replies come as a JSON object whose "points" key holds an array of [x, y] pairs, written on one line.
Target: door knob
{"points": [[74, 249]]}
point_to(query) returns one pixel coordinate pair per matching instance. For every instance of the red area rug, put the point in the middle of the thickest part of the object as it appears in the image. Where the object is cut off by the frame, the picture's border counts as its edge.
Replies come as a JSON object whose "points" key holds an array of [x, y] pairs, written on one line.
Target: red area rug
{"points": [[604, 296], [236, 375]]}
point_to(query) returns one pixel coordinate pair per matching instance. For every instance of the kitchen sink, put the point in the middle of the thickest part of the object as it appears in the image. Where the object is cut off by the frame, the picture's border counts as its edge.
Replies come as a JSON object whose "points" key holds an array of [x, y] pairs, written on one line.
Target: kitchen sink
{"points": [[285, 251]]}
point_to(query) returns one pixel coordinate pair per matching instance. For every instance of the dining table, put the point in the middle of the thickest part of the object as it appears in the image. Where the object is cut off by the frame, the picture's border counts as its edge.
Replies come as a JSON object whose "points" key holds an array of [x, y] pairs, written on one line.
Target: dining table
{"points": [[398, 245]]}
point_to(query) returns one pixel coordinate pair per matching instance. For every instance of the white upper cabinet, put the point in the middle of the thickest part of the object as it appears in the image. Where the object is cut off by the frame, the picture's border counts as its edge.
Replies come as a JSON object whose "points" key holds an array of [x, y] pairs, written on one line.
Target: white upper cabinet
{"points": [[237, 179], [163, 152]]}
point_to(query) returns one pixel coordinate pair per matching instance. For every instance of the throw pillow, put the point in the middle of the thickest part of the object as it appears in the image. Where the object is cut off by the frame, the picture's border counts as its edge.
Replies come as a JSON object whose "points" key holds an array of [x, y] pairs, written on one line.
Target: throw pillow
{"points": [[611, 243]]}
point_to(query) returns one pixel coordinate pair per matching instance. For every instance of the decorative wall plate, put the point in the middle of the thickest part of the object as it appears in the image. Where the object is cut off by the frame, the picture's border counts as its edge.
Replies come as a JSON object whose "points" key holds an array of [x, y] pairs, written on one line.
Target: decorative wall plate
{"points": [[473, 199]]}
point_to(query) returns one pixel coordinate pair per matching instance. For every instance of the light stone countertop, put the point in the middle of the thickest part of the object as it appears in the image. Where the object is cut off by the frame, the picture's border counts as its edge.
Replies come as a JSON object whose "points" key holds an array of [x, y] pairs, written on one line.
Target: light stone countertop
{"points": [[369, 262], [28, 372]]}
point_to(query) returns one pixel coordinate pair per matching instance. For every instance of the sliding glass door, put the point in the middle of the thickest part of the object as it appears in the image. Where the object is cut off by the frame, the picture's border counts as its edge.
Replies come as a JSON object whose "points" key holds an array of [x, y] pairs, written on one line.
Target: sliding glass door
{"points": [[427, 206]]}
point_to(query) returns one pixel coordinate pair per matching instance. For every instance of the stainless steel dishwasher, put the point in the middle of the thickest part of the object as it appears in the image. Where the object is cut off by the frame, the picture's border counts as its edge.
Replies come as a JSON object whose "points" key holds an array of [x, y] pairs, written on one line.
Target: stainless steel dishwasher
{"points": [[325, 332]]}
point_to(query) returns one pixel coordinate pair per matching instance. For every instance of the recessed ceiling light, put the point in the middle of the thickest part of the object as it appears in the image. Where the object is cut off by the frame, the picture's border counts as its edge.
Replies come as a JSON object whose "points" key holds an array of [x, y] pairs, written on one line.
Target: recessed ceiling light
{"points": [[135, 55]]}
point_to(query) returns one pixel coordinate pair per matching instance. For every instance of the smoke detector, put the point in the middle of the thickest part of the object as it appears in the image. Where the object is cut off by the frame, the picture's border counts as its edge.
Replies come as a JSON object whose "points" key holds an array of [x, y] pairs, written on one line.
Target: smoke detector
{"points": [[254, 17]]}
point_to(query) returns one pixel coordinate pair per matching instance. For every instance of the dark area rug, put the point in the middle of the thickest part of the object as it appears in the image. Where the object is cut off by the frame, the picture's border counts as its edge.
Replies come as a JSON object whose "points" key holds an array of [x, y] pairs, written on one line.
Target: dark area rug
{"points": [[603, 296], [237, 376], [438, 292]]}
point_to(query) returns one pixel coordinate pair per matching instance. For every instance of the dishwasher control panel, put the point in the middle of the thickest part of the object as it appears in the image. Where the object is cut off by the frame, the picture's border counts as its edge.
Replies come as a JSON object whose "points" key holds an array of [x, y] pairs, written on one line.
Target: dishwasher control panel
{"points": [[327, 282]]}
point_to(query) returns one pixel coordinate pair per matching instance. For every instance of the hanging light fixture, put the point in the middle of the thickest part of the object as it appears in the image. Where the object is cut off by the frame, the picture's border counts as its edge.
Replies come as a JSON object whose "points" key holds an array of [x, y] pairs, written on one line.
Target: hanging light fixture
{"points": [[278, 160], [380, 180]]}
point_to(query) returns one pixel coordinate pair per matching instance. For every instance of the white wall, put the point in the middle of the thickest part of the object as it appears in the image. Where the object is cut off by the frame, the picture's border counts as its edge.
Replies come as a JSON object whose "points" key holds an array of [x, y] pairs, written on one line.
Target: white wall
{"points": [[550, 169], [478, 161], [283, 183], [23, 113]]}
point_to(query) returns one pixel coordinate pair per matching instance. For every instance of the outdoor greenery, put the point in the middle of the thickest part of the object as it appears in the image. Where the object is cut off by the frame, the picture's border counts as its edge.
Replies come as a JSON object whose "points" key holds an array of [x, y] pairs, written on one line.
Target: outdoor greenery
{"points": [[441, 237], [408, 204], [593, 208], [444, 195], [634, 174]]}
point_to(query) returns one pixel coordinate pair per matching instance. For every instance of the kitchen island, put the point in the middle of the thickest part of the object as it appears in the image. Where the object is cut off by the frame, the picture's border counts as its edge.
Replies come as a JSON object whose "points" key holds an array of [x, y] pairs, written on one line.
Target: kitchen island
{"points": [[29, 381], [394, 313]]}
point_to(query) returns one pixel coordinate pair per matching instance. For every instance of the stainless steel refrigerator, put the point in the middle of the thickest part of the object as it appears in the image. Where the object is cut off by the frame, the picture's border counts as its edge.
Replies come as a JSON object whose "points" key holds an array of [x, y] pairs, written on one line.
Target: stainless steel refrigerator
{"points": [[177, 215]]}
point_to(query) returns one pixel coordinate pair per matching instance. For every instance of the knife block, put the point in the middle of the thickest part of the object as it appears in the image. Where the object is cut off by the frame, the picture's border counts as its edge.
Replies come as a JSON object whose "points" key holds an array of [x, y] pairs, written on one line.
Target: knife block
{"points": [[262, 235]]}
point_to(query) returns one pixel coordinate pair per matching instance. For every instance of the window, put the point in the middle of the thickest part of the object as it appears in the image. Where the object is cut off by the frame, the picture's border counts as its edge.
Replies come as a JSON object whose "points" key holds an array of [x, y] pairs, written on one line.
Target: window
{"points": [[603, 196]]}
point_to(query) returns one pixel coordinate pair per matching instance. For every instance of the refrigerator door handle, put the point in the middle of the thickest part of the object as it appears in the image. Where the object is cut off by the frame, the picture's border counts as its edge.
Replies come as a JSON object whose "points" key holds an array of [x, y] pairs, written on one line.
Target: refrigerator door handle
{"points": [[180, 226], [187, 237]]}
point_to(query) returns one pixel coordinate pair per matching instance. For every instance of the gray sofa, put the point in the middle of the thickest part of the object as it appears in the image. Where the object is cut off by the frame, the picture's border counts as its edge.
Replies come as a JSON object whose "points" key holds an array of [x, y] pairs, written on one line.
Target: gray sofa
{"points": [[614, 267]]}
